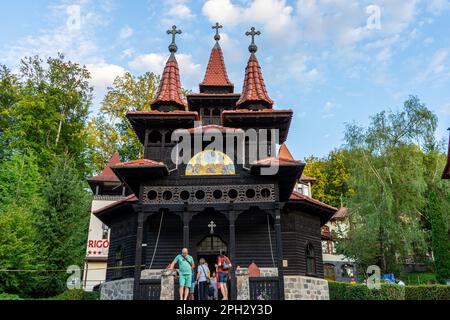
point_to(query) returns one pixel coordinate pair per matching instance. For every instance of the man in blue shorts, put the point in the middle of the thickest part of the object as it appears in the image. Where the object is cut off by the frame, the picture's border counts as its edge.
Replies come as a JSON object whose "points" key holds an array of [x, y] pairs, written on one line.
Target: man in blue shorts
{"points": [[185, 265]]}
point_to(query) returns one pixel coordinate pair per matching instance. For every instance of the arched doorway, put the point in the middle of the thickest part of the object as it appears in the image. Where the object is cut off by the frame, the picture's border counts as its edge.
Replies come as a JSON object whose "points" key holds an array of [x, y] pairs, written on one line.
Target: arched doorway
{"points": [[209, 248]]}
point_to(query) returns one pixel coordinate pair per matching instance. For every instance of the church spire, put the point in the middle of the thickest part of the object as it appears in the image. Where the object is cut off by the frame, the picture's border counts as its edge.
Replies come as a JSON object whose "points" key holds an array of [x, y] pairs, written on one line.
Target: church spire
{"points": [[168, 96], [216, 77], [254, 93], [446, 174]]}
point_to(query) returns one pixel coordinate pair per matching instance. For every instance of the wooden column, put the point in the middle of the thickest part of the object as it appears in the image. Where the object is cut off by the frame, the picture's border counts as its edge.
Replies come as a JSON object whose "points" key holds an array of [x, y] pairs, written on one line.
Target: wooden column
{"points": [[277, 216], [232, 254], [138, 256], [186, 221]]}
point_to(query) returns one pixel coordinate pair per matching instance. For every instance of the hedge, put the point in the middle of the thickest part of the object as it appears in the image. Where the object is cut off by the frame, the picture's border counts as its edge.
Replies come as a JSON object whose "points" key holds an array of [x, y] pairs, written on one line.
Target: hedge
{"points": [[432, 292], [77, 294], [7, 296], [347, 291]]}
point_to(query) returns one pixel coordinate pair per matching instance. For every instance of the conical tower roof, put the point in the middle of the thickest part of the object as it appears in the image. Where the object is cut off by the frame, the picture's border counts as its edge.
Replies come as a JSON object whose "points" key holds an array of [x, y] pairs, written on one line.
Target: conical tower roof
{"points": [[254, 90]]}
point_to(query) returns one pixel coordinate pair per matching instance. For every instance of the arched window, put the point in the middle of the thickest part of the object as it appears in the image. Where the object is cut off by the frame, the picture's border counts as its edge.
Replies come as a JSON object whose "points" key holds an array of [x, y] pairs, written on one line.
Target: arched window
{"points": [[310, 260], [118, 262], [329, 271], [211, 244]]}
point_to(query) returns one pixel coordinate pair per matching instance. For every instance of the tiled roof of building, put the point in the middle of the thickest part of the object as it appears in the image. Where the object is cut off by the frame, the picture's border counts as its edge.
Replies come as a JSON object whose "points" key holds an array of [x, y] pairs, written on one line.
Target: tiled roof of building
{"points": [[169, 91], [130, 198], [341, 213], [284, 158], [139, 163], [161, 113], [107, 174], [297, 196], [254, 89], [211, 127], [216, 72], [306, 178]]}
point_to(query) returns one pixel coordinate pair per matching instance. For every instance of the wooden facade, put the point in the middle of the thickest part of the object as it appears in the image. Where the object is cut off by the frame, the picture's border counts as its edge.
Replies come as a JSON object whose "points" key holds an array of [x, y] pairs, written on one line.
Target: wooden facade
{"points": [[255, 217]]}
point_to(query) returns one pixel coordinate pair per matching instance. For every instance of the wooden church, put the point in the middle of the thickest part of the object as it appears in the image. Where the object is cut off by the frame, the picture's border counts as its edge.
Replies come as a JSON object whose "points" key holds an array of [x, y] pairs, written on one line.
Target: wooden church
{"points": [[218, 200]]}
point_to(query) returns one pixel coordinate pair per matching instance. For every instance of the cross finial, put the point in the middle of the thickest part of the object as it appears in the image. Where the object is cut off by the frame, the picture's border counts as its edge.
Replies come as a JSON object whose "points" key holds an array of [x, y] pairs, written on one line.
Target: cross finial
{"points": [[212, 225], [174, 31], [253, 48], [217, 27]]}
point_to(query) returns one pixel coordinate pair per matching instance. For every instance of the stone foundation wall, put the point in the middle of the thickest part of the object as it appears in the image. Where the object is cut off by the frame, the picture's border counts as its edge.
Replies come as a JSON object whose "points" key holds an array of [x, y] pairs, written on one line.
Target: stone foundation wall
{"points": [[154, 274], [305, 288], [269, 272], [117, 290]]}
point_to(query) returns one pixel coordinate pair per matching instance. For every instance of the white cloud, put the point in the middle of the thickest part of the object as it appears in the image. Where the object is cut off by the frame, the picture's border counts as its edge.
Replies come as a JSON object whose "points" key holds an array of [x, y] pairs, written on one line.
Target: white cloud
{"points": [[222, 11], [154, 62], [275, 16], [103, 74], [126, 33], [176, 11], [329, 106]]}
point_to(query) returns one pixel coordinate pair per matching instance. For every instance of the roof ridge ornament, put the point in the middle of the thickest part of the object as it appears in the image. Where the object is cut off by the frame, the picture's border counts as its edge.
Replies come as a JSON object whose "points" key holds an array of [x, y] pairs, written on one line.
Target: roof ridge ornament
{"points": [[253, 48], [173, 46], [217, 26]]}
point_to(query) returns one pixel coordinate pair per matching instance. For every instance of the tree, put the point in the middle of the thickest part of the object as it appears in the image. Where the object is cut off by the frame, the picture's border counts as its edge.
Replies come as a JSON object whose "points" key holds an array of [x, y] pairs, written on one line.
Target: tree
{"points": [[332, 174], [388, 177], [20, 198], [111, 130], [62, 224], [440, 242], [47, 109]]}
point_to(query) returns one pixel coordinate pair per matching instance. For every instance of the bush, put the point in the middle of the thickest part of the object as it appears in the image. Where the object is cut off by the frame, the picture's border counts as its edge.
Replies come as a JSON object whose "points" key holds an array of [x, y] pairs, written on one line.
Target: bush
{"points": [[433, 292], [7, 296], [77, 294], [347, 291]]}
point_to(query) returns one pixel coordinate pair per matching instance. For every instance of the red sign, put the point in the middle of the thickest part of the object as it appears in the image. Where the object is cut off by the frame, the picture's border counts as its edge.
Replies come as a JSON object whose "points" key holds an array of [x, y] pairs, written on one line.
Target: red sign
{"points": [[98, 244]]}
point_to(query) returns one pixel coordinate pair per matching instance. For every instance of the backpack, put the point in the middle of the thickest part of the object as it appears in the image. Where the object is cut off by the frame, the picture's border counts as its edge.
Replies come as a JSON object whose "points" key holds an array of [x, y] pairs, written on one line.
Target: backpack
{"points": [[225, 265]]}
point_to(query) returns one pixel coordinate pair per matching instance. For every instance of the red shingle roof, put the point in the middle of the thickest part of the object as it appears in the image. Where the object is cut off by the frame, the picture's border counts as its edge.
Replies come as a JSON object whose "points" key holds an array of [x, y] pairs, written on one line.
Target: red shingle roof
{"points": [[211, 127], [170, 113], [139, 163], [169, 90], [107, 174], [130, 198], [297, 196], [216, 72], [284, 158], [254, 89]]}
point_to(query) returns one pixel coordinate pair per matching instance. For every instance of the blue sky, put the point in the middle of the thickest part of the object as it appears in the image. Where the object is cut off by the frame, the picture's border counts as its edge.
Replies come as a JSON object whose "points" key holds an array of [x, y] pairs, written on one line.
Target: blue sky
{"points": [[328, 60]]}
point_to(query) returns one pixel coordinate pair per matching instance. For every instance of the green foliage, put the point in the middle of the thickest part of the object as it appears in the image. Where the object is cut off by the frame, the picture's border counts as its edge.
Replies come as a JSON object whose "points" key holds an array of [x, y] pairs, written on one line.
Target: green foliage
{"points": [[418, 278], [111, 130], [347, 291], [440, 241], [332, 174], [388, 175], [7, 296], [45, 107], [77, 294], [430, 292], [62, 224]]}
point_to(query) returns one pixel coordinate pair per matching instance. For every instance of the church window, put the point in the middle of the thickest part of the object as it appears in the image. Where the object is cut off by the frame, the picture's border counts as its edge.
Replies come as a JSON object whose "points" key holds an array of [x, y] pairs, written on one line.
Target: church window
{"points": [[152, 195], [200, 194], [185, 195], [310, 260], [217, 194], [265, 193], [167, 195], [250, 193], [155, 137], [347, 271], [211, 244], [232, 194]]}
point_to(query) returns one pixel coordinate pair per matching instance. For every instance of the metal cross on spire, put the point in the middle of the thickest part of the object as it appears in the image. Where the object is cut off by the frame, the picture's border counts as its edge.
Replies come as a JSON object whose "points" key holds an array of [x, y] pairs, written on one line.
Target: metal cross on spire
{"points": [[217, 27], [253, 48], [174, 31]]}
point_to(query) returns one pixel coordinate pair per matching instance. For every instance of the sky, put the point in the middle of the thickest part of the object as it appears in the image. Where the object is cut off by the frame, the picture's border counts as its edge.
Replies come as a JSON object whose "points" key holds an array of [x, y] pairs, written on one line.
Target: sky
{"points": [[332, 62]]}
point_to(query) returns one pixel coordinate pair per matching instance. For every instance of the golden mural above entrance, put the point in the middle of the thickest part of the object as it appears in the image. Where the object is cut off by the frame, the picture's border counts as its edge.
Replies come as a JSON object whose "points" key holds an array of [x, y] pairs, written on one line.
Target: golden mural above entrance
{"points": [[210, 163]]}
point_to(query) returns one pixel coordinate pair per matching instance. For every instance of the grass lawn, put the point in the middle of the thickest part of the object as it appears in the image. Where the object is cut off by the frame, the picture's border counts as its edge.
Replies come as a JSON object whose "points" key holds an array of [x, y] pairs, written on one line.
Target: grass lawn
{"points": [[418, 278]]}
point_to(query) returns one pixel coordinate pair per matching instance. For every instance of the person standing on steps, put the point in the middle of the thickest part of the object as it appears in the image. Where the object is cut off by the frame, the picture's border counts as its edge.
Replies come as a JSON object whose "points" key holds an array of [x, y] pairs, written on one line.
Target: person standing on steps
{"points": [[224, 266], [185, 266]]}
